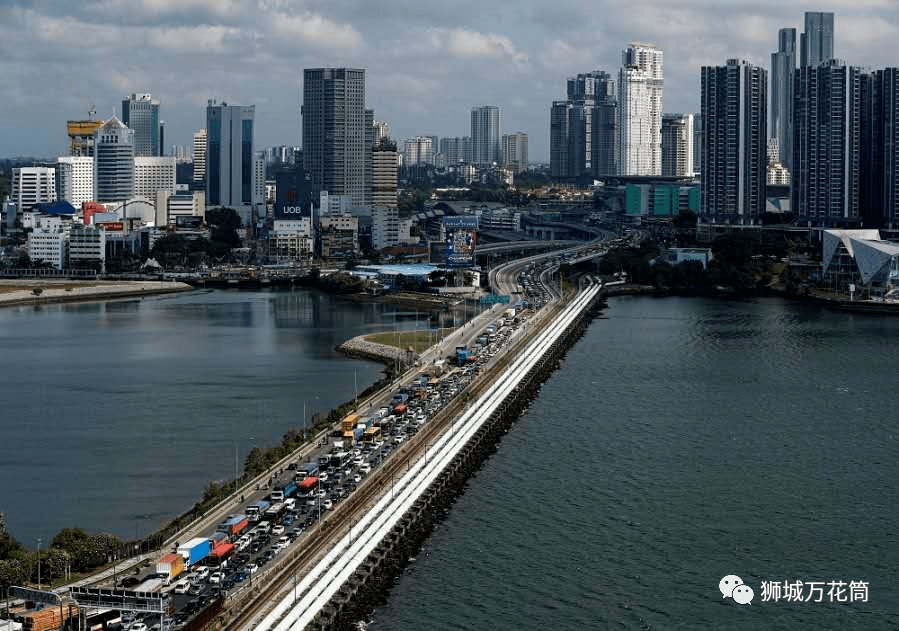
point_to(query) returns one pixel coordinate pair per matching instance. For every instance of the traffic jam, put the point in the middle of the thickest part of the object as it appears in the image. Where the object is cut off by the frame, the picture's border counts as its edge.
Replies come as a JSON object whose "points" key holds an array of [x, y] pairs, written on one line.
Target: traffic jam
{"points": [[200, 571]]}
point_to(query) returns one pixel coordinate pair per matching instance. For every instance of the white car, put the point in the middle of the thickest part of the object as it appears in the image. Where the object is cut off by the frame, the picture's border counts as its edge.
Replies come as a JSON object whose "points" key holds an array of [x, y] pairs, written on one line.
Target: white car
{"points": [[278, 529], [216, 577], [181, 587], [138, 626], [201, 572], [365, 468], [327, 504]]}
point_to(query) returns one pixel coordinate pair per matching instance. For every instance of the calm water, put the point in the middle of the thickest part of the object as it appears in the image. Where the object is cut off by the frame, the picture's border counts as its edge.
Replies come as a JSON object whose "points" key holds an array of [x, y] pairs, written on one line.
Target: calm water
{"points": [[116, 415], [682, 440]]}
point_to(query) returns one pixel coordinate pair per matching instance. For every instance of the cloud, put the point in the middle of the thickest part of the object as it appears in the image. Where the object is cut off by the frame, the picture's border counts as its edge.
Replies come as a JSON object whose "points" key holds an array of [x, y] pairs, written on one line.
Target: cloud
{"points": [[202, 37], [469, 44], [317, 30]]}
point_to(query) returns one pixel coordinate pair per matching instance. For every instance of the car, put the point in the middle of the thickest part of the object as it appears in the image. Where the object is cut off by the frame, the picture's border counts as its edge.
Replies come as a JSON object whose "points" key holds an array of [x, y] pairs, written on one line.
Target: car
{"points": [[241, 576], [201, 572], [216, 577], [196, 589], [278, 530], [357, 478], [327, 504], [252, 568], [130, 582], [181, 587], [138, 626]]}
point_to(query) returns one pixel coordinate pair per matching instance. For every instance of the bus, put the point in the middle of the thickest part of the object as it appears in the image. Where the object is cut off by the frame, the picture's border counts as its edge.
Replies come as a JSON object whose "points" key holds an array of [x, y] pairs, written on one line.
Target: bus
{"points": [[349, 423], [306, 489], [371, 435]]}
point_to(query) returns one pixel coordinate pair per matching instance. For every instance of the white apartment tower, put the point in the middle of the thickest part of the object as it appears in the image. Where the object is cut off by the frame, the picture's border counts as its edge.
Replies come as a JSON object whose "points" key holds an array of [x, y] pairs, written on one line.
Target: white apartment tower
{"points": [[200, 155], [75, 179], [33, 185], [640, 98], [153, 174]]}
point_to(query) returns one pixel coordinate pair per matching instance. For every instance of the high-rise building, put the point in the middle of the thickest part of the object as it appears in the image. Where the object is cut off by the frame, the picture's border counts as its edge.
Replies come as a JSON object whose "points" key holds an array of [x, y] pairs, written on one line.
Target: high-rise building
{"points": [[75, 179], [32, 185], [783, 67], [486, 134], [457, 150], [200, 155], [81, 136], [697, 143], [677, 145], [230, 157], [418, 150], [382, 131], [827, 130], [734, 118], [583, 129], [140, 112], [113, 162], [153, 174], [337, 129], [880, 148], [515, 151], [384, 175], [640, 98], [816, 43]]}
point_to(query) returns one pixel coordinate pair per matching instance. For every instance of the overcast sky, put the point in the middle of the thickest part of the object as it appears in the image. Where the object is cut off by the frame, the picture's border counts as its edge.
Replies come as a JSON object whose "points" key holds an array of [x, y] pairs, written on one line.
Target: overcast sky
{"points": [[427, 62]]}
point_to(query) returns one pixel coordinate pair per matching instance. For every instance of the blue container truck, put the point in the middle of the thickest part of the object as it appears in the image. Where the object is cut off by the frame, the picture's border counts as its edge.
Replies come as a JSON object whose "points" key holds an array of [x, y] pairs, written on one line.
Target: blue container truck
{"points": [[195, 550]]}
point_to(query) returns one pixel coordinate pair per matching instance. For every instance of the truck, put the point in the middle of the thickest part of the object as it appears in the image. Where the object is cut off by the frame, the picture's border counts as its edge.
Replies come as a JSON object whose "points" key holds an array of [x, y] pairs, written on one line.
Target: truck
{"points": [[195, 550], [282, 493], [255, 511], [150, 585], [400, 397], [171, 565], [340, 459], [233, 525], [462, 354]]}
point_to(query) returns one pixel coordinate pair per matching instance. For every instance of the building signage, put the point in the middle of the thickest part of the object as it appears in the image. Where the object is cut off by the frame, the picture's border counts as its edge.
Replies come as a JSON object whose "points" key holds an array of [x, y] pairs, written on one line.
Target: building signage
{"points": [[461, 237], [494, 299]]}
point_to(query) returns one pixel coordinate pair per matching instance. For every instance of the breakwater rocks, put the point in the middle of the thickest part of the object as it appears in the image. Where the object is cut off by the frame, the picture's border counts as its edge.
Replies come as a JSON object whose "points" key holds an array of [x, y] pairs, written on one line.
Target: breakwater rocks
{"points": [[363, 349]]}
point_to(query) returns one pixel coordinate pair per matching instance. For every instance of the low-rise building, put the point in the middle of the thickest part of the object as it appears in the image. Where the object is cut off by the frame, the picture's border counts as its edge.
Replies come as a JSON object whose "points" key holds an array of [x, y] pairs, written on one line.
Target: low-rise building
{"points": [[48, 245], [87, 247]]}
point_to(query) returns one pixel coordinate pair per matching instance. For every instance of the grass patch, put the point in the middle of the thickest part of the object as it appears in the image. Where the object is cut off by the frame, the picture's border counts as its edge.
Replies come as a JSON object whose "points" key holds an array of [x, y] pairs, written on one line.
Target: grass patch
{"points": [[420, 340]]}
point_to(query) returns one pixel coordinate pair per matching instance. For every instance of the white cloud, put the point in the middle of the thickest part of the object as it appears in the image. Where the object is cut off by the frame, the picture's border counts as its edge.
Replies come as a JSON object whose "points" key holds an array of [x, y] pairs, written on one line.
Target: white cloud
{"points": [[316, 30], [202, 37], [470, 44]]}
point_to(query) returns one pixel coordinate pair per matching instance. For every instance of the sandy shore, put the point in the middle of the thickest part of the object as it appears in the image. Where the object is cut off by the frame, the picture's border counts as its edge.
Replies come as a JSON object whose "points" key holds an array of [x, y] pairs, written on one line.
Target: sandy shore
{"points": [[22, 291]]}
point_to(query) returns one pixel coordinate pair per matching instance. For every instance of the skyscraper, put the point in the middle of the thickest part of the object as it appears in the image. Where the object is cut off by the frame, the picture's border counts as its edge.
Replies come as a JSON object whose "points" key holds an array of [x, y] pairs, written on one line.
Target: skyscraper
{"points": [[640, 98], [827, 144], [113, 162], [140, 112], [486, 134], [335, 134], [677, 145], [200, 155], [230, 157], [880, 148], [384, 174], [783, 66], [816, 43], [734, 118], [583, 129], [515, 151]]}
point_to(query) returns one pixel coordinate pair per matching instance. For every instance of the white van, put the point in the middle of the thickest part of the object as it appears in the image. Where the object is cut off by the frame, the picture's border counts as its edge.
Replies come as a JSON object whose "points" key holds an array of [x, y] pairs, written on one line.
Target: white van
{"points": [[181, 587]]}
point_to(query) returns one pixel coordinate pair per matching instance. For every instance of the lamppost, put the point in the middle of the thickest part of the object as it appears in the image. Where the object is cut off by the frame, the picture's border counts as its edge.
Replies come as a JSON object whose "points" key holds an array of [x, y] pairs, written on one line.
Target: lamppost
{"points": [[38, 562]]}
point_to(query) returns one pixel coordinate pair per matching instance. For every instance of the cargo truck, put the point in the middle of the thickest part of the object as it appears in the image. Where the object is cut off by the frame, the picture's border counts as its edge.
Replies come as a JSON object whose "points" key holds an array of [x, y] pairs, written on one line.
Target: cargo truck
{"points": [[255, 511], [282, 493], [195, 550], [170, 565]]}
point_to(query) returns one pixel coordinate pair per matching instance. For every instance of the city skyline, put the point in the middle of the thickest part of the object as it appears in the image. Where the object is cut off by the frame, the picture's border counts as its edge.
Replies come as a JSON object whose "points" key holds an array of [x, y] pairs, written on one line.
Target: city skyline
{"points": [[426, 68]]}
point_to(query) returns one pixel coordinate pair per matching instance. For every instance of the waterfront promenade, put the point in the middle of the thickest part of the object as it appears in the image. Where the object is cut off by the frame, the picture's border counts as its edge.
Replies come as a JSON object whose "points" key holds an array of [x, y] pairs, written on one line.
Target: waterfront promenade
{"points": [[22, 292]]}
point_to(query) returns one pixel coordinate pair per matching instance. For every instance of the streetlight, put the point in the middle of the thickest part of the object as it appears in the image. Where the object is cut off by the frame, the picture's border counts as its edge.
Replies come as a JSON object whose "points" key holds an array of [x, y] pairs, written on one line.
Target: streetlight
{"points": [[38, 562]]}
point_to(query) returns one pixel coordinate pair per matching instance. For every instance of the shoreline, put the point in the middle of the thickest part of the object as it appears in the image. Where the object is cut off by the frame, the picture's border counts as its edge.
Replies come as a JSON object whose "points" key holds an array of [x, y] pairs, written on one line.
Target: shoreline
{"points": [[14, 293]]}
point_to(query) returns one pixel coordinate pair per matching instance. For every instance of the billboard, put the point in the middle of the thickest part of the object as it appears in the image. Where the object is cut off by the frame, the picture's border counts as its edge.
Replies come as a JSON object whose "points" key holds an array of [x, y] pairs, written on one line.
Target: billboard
{"points": [[461, 237]]}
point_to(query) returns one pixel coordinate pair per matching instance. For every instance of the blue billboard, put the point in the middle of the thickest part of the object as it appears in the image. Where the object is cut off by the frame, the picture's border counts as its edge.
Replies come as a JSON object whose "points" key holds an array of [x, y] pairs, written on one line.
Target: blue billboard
{"points": [[461, 237]]}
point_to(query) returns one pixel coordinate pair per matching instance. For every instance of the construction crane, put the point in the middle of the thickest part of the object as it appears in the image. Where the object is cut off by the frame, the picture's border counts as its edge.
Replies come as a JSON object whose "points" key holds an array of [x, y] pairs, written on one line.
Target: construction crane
{"points": [[91, 110]]}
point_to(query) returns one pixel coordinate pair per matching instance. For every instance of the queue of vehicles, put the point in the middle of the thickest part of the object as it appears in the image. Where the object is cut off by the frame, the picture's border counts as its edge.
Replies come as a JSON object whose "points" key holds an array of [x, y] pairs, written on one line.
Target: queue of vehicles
{"points": [[203, 568]]}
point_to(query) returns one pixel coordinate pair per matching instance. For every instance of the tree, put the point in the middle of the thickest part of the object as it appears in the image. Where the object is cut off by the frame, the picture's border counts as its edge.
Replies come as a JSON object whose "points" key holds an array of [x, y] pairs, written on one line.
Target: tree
{"points": [[223, 224], [77, 543], [13, 572]]}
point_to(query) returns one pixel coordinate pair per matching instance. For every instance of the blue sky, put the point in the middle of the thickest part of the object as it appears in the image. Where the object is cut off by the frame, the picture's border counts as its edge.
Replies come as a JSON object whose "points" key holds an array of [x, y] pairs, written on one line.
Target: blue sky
{"points": [[427, 63]]}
